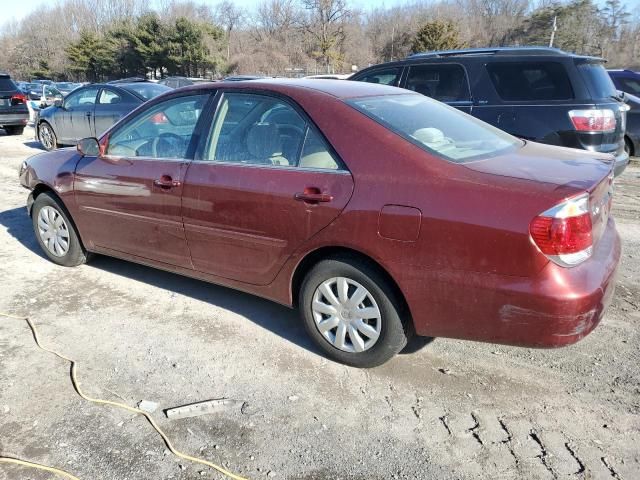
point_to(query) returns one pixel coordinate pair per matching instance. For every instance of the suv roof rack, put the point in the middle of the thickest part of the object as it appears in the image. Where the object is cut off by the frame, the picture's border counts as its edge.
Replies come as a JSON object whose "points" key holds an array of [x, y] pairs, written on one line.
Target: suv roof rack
{"points": [[492, 51]]}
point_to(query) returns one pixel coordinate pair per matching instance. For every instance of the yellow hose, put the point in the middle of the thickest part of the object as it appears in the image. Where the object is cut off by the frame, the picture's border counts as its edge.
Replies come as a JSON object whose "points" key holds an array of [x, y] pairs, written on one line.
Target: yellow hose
{"points": [[74, 381]]}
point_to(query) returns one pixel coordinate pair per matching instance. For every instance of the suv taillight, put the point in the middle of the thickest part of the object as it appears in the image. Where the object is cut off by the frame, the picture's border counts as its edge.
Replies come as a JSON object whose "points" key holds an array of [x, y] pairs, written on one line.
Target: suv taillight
{"points": [[564, 232], [600, 120], [18, 98]]}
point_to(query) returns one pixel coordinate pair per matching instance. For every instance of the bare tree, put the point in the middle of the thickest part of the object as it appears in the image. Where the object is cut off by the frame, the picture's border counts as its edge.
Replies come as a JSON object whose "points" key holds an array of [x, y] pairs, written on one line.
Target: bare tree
{"points": [[325, 24]]}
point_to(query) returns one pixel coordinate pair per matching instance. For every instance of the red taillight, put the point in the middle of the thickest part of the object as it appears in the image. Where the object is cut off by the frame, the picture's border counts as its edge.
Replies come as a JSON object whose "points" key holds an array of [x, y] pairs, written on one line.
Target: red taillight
{"points": [[159, 118], [18, 98], [564, 233], [601, 120]]}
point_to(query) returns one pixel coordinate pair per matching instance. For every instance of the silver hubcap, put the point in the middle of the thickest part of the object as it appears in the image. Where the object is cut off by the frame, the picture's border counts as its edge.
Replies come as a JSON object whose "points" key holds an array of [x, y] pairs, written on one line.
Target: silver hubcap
{"points": [[346, 314], [46, 136], [53, 231]]}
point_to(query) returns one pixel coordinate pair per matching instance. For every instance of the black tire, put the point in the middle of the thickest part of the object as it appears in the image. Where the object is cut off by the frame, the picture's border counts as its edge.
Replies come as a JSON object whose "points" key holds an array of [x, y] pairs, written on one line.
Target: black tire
{"points": [[47, 137], [394, 330], [628, 146], [75, 253]]}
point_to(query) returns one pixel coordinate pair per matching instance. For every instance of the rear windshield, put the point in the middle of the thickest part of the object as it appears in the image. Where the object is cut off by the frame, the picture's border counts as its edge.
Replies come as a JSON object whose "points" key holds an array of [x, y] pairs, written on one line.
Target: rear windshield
{"points": [[436, 127], [598, 81], [7, 84], [146, 90], [530, 81]]}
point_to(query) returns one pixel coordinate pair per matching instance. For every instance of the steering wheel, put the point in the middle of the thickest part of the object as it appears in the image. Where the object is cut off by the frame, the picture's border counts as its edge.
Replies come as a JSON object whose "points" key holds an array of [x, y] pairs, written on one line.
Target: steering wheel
{"points": [[165, 136]]}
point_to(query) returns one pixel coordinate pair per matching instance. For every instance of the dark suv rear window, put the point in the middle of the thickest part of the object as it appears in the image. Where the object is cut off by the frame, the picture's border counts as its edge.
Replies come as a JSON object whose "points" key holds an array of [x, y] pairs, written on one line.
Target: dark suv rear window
{"points": [[530, 81], [447, 83], [597, 79], [7, 84]]}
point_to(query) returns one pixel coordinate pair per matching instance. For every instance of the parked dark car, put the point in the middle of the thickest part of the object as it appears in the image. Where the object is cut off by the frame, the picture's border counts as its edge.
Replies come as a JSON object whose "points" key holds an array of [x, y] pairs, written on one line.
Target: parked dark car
{"points": [[632, 134], [541, 94], [90, 110], [179, 82], [626, 81], [66, 87], [374, 226], [241, 78], [14, 113]]}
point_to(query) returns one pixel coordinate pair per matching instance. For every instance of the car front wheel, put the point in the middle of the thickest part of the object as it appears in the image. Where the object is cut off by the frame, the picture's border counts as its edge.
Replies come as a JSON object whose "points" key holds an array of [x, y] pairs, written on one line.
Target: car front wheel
{"points": [[56, 233], [47, 137], [351, 312]]}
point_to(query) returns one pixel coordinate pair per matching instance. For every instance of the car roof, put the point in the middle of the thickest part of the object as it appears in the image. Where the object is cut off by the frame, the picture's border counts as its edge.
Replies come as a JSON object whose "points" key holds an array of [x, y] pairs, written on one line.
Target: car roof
{"points": [[501, 51], [342, 89]]}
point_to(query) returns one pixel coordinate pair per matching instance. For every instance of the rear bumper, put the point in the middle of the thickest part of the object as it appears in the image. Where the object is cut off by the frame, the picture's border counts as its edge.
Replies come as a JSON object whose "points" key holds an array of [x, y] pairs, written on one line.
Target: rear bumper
{"points": [[13, 119], [557, 307], [622, 160]]}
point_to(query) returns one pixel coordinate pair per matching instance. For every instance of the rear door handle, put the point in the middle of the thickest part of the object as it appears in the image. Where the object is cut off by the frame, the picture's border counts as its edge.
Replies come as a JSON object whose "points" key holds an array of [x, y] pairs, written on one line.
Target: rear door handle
{"points": [[166, 182], [313, 196]]}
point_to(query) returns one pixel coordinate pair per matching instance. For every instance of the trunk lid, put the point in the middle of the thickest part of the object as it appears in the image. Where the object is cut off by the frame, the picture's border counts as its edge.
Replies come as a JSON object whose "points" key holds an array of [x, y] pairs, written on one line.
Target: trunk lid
{"points": [[559, 173]]}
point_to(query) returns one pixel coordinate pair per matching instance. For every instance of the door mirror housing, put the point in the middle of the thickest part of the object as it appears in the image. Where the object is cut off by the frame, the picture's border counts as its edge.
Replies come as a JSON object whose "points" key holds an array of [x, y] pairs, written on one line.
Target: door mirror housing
{"points": [[89, 147]]}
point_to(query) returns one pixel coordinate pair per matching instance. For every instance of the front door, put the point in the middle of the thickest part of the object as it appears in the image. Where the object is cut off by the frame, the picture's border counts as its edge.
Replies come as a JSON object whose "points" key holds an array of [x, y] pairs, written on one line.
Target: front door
{"points": [[77, 115], [266, 182], [129, 198]]}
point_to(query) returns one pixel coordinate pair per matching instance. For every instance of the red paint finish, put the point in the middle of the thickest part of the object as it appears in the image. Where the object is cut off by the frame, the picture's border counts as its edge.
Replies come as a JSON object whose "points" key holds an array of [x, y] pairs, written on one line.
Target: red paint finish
{"points": [[454, 237], [397, 222], [243, 222]]}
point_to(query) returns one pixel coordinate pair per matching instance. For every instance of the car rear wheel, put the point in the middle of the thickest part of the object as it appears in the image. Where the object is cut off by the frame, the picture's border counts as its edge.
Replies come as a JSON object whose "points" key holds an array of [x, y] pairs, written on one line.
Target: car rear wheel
{"points": [[14, 130], [56, 233], [628, 146], [351, 312], [47, 137]]}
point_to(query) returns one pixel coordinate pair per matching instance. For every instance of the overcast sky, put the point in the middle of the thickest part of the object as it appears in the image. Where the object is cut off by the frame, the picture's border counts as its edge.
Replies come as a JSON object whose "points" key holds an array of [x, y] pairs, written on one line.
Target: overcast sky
{"points": [[18, 9]]}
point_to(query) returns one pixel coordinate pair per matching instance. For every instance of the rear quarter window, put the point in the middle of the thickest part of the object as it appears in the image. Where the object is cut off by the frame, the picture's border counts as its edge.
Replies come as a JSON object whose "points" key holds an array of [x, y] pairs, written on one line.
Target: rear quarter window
{"points": [[530, 81], [598, 80]]}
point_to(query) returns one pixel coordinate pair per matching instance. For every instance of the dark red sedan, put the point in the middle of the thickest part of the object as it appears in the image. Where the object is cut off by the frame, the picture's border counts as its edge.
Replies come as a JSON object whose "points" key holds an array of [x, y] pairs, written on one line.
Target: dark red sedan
{"points": [[378, 212]]}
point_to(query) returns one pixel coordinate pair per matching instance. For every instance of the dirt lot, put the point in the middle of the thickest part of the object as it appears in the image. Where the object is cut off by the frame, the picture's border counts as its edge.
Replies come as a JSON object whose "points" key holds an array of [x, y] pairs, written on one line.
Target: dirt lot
{"points": [[452, 410]]}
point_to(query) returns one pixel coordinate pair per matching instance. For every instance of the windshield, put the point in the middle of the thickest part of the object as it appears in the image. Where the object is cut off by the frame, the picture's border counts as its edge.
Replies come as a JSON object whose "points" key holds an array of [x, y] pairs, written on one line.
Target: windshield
{"points": [[436, 127], [146, 90], [598, 81]]}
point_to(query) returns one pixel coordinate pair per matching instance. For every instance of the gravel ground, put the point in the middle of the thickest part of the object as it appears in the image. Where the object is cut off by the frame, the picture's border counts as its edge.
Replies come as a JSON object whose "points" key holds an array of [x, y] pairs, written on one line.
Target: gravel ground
{"points": [[453, 409]]}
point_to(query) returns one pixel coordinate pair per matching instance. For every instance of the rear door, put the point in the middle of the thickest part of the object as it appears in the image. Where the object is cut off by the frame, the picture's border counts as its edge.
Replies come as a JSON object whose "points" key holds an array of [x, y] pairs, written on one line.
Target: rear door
{"points": [[264, 183], [445, 82]]}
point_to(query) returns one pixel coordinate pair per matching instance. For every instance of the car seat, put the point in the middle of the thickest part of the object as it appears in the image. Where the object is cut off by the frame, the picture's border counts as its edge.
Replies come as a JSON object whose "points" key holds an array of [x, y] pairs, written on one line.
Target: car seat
{"points": [[264, 144]]}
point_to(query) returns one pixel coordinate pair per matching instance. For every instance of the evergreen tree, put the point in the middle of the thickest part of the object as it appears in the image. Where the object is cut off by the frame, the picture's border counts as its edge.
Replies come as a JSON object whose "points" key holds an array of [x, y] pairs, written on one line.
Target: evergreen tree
{"points": [[437, 35]]}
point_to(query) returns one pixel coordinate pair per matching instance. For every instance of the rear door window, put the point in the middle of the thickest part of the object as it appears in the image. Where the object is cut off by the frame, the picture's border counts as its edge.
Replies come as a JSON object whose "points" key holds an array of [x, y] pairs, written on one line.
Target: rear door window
{"points": [[530, 81], [630, 85], [446, 83], [387, 76]]}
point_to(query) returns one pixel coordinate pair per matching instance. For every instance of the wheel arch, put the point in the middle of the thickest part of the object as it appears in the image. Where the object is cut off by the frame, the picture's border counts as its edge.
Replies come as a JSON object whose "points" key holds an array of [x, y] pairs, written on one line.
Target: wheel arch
{"points": [[41, 188], [336, 252], [632, 146]]}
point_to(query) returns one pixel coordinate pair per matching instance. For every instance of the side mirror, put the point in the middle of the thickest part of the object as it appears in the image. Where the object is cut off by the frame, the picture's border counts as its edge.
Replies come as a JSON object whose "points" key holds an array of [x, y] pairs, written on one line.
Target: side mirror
{"points": [[58, 102], [89, 147]]}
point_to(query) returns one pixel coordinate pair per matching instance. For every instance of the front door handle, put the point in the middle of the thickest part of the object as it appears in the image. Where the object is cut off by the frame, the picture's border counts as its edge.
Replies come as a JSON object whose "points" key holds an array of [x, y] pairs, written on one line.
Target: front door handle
{"points": [[313, 196], [166, 182]]}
